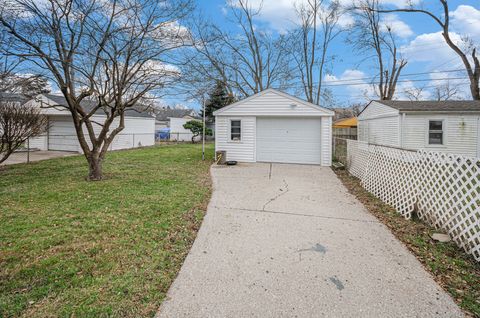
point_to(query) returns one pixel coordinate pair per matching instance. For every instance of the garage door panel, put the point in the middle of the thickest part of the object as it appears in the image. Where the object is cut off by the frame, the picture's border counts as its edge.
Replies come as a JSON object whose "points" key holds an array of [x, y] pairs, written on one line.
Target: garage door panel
{"points": [[289, 140]]}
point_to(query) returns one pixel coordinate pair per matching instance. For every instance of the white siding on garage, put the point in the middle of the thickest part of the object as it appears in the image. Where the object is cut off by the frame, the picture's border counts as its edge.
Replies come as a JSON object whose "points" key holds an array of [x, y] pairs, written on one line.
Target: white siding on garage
{"points": [[460, 133], [326, 141], [244, 150], [276, 127], [272, 103], [379, 124], [138, 132], [375, 110], [61, 134], [39, 142]]}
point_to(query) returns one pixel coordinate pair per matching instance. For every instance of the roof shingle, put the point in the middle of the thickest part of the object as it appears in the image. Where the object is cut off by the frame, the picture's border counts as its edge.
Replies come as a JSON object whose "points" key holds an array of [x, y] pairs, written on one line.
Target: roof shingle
{"points": [[454, 105]]}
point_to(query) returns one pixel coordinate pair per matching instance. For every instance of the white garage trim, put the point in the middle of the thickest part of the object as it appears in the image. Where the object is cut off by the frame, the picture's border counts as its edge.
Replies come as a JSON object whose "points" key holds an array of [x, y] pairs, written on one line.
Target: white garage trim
{"points": [[276, 127]]}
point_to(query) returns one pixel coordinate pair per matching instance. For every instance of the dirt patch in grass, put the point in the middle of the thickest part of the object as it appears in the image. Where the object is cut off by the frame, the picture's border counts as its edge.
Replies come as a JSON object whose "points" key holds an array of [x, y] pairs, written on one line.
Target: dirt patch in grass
{"points": [[454, 270], [73, 248]]}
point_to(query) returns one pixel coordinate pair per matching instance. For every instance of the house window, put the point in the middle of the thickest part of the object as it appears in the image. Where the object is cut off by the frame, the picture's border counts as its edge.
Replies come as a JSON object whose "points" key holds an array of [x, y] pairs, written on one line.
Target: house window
{"points": [[236, 130], [435, 132]]}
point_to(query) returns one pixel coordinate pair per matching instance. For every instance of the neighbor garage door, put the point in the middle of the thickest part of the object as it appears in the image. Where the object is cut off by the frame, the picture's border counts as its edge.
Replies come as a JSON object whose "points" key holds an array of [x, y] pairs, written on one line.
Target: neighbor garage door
{"points": [[289, 140]]}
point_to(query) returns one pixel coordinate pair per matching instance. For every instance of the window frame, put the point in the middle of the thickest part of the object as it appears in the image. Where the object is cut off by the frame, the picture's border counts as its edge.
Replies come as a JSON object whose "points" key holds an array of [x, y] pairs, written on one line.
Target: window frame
{"points": [[230, 130], [443, 131]]}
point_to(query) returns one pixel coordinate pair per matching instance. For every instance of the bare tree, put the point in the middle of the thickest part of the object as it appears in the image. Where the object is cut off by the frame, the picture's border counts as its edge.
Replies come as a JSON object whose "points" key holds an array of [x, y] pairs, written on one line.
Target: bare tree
{"points": [[18, 123], [247, 61], [109, 55], [472, 66], [310, 42], [369, 35], [14, 82], [446, 91], [414, 93]]}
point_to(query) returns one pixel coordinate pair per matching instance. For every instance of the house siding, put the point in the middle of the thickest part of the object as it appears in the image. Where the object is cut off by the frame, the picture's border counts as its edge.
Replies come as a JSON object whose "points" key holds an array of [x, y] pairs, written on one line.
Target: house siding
{"points": [[460, 133], [379, 124], [177, 132], [244, 150]]}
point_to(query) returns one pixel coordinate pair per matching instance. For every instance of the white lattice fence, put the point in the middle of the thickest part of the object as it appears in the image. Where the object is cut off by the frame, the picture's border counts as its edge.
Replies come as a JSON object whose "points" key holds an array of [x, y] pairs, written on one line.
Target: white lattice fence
{"points": [[443, 189]]}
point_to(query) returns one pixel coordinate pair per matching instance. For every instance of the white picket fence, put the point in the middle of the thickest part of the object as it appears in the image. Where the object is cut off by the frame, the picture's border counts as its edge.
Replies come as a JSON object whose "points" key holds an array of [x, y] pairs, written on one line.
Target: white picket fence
{"points": [[443, 189]]}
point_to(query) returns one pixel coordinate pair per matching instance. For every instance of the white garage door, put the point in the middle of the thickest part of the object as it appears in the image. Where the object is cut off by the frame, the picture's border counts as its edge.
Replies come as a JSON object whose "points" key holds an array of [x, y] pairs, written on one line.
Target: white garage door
{"points": [[289, 140]]}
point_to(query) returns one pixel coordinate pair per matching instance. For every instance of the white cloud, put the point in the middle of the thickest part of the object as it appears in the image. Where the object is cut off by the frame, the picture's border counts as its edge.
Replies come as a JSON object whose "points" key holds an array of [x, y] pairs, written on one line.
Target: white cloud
{"points": [[395, 3], [431, 47], [397, 26], [361, 86], [281, 15], [466, 21]]}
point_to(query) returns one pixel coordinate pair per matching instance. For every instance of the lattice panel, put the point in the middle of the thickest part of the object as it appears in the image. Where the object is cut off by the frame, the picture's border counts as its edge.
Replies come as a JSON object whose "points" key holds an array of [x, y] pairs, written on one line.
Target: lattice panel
{"points": [[357, 157], [444, 189]]}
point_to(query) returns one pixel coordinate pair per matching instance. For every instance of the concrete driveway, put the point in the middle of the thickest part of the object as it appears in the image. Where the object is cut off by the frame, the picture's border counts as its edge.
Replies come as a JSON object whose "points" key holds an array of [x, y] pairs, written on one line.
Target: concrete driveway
{"points": [[290, 241], [21, 157]]}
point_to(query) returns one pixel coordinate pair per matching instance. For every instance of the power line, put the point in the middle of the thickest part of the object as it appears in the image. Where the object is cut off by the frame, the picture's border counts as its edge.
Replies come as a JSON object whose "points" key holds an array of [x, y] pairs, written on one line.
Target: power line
{"points": [[404, 81], [401, 75]]}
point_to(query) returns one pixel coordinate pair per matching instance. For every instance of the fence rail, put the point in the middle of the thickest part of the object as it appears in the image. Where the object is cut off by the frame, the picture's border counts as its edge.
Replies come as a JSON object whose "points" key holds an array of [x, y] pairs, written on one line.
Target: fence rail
{"points": [[443, 189], [55, 145]]}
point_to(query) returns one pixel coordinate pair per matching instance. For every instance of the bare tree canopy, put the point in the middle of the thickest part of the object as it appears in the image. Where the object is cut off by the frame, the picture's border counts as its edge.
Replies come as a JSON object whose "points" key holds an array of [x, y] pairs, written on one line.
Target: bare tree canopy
{"points": [[14, 82], [439, 92], [369, 35], [247, 61], [113, 53], [468, 54], [18, 123], [310, 42]]}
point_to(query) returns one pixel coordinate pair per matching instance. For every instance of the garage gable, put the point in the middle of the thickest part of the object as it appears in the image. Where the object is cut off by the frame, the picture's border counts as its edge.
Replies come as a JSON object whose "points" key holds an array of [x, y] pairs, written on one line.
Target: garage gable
{"points": [[272, 102]]}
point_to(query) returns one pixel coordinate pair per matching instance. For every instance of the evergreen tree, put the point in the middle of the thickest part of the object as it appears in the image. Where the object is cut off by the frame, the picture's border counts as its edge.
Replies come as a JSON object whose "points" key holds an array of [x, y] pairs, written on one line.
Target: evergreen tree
{"points": [[218, 98]]}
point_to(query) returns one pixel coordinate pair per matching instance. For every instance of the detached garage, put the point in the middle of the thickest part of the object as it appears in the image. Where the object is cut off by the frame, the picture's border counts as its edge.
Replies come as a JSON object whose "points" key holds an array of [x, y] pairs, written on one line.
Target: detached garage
{"points": [[139, 128], [272, 126]]}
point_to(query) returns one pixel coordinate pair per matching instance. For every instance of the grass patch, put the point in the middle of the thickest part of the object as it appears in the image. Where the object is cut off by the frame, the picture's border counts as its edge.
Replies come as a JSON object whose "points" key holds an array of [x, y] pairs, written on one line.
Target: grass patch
{"points": [[72, 248], [454, 270]]}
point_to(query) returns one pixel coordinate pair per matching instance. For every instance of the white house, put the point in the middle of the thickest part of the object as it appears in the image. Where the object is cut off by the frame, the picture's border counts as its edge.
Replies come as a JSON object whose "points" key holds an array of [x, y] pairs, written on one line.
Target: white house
{"points": [[272, 126], [445, 126], [139, 127], [164, 115]]}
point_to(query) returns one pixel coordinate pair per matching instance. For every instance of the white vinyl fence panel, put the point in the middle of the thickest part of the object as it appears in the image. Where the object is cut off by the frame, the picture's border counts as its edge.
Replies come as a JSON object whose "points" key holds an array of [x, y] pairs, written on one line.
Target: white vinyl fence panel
{"points": [[443, 189]]}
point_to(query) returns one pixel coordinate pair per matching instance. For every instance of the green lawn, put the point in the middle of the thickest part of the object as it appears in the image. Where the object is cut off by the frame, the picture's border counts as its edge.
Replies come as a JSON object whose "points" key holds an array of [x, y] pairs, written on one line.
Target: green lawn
{"points": [[72, 248]]}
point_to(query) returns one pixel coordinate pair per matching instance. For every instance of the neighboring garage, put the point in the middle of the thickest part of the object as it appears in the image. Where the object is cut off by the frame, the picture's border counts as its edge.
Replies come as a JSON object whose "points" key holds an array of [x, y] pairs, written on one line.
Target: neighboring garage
{"points": [[273, 126], [61, 136]]}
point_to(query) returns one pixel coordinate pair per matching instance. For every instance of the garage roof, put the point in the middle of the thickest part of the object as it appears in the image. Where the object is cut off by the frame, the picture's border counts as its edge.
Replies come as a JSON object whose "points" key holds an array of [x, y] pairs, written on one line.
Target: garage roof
{"points": [[429, 105], [270, 99], [89, 105]]}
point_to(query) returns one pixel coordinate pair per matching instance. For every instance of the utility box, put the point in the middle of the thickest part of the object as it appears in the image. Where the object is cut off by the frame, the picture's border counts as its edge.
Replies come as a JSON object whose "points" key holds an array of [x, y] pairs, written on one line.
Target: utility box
{"points": [[221, 157]]}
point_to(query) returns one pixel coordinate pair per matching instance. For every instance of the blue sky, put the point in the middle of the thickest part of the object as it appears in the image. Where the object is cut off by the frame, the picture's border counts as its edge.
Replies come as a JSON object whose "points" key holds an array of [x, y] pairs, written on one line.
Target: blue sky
{"points": [[419, 37]]}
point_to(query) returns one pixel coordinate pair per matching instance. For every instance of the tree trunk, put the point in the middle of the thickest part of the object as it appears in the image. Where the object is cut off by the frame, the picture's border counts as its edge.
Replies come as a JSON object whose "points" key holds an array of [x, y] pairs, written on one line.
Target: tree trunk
{"points": [[95, 167]]}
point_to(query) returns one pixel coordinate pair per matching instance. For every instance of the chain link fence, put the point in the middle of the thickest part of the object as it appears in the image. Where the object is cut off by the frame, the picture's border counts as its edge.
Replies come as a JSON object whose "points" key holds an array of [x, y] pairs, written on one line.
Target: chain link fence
{"points": [[50, 146]]}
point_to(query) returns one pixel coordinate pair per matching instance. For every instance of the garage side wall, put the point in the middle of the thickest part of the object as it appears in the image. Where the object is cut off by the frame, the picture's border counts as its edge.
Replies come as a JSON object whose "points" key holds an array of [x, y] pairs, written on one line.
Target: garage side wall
{"points": [[138, 132], [244, 150], [379, 124], [326, 136]]}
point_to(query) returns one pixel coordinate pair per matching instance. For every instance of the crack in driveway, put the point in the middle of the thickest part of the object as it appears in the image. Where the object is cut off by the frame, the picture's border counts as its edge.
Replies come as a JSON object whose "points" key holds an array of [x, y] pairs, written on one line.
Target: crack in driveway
{"points": [[278, 195]]}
